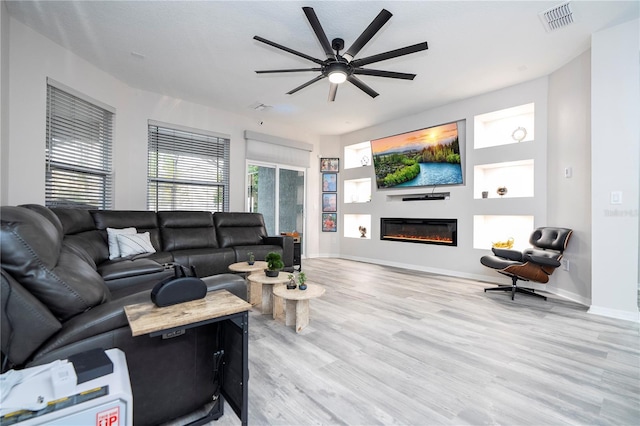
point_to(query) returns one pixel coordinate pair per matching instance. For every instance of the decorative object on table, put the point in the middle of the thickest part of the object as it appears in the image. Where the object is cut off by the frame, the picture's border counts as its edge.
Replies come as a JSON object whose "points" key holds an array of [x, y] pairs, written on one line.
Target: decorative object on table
{"points": [[501, 190], [330, 165], [329, 182], [330, 202], [329, 222], [274, 264], [503, 244], [485, 194], [302, 279], [252, 258], [519, 134], [291, 285], [363, 231]]}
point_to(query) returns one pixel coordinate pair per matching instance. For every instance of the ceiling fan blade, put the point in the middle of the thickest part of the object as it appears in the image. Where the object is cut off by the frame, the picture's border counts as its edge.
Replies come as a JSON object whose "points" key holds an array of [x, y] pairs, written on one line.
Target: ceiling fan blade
{"points": [[333, 89], [379, 73], [289, 70], [367, 34], [390, 54], [317, 28], [360, 85], [302, 86], [286, 49]]}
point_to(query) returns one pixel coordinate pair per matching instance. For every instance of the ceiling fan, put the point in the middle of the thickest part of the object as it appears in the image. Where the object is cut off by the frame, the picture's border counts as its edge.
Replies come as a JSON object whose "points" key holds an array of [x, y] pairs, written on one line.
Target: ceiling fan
{"points": [[340, 68]]}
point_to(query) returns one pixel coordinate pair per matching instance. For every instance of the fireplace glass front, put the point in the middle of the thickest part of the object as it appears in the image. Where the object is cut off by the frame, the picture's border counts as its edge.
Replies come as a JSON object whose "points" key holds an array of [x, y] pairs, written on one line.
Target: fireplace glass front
{"points": [[424, 231]]}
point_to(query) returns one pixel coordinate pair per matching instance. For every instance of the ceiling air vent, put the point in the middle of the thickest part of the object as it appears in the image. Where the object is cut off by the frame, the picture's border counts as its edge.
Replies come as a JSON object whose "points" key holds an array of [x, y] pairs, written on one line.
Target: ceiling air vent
{"points": [[557, 17]]}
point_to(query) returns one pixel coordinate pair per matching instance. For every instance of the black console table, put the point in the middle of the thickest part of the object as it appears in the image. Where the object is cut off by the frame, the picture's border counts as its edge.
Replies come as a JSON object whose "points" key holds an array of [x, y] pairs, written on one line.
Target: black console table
{"points": [[232, 352]]}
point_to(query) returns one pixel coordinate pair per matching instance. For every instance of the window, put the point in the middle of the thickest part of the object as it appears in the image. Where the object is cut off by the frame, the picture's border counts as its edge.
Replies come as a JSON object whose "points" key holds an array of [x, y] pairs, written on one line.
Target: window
{"points": [[78, 150], [187, 170]]}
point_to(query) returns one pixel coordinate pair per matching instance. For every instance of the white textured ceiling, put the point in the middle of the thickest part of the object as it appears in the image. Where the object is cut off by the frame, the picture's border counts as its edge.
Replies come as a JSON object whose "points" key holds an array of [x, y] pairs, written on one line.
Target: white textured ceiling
{"points": [[203, 51]]}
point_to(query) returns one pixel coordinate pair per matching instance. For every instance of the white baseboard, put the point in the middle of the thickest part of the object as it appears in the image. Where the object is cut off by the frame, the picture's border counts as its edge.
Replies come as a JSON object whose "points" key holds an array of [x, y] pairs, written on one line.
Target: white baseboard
{"points": [[615, 313]]}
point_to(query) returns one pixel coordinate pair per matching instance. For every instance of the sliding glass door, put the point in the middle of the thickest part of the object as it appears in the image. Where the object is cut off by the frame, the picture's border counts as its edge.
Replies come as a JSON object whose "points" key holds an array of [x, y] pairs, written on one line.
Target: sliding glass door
{"points": [[277, 191]]}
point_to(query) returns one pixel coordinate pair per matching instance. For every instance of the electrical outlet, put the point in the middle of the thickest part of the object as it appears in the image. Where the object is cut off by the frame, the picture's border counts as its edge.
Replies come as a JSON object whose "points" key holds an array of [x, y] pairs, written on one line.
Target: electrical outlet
{"points": [[566, 265]]}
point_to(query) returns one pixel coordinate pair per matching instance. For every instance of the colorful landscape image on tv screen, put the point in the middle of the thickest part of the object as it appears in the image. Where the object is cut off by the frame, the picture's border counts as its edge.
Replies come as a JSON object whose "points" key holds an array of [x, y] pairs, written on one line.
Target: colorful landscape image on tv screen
{"points": [[423, 157]]}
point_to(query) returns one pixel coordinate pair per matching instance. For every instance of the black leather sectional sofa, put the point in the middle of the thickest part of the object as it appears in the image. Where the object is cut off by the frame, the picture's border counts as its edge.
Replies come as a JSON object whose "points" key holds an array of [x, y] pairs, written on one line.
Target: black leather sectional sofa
{"points": [[61, 295]]}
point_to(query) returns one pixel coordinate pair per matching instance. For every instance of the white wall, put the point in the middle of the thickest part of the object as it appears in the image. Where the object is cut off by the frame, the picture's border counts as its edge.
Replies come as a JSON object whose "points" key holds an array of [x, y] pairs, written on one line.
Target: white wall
{"points": [[462, 260], [4, 102], [615, 165], [33, 58], [569, 199]]}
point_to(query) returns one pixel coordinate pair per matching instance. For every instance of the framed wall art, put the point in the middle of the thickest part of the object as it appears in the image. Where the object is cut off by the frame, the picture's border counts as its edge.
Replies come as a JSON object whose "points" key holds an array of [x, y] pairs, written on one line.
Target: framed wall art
{"points": [[329, 222], [330, 202], [329, 182], [331, 165]]}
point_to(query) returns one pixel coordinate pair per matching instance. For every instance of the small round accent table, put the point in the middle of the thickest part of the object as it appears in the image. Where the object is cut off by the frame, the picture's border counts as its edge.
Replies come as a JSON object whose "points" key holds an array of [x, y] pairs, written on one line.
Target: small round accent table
{"points": [[259, 265], [297, 303], [267, 284]]}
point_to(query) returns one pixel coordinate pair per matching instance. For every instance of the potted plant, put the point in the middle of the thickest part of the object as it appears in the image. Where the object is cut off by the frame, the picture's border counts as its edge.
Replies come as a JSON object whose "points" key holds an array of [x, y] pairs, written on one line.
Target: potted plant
{"points": [[302, 279], [252, 258], [274, 264], [291, 285]]}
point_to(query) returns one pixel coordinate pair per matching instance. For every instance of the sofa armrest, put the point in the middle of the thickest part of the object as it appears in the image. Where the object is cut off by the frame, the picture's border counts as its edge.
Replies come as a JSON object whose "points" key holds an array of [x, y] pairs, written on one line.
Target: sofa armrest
{"points": [[101, 319], [284, 241], [507, 253]]}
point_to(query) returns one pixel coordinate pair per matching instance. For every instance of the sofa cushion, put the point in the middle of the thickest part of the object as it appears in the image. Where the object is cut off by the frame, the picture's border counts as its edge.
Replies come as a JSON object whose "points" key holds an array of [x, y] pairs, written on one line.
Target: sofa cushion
{"points": [[112, 240], [32, 253], [143, 221], [74, 220], [182, 230], [26, 322], [239, 229], [130, 244]]}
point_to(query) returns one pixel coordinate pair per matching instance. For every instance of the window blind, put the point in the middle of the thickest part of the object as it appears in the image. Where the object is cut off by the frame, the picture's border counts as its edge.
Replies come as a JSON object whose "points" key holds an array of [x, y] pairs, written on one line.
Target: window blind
{"points": [[78, 152], [273, 149], [187, 170]]}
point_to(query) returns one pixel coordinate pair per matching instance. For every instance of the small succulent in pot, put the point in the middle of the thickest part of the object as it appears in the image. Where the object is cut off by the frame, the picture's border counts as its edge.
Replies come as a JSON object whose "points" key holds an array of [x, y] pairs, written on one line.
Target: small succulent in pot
{"points": [[274, 264], [302, 279], [251, 257]]}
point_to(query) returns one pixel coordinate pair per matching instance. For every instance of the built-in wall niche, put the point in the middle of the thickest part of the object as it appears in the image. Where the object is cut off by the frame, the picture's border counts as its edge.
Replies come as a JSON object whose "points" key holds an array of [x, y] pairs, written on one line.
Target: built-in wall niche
{"points": [[357, 155], [489, 229], [357, 226], [515, 176], [506, 126], [357, 190]]}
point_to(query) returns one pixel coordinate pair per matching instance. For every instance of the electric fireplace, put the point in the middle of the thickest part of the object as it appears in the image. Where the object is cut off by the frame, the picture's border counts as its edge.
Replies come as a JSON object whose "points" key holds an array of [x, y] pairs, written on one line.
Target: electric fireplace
{"points": [[424, 231]]}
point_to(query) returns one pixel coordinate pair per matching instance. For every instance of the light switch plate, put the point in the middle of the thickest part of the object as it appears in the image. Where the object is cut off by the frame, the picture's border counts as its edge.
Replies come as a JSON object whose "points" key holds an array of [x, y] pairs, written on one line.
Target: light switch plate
{"points": [[616, 197]]}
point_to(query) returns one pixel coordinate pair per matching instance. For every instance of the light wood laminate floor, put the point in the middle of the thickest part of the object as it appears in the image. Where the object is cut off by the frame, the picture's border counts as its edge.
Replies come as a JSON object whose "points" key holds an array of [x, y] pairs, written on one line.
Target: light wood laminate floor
{"points": [[393, 346]]}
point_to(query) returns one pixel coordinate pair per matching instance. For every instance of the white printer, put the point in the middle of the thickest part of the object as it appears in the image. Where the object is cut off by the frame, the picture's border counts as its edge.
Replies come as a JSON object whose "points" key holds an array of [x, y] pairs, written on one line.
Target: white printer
{"points": [[87, 389]]}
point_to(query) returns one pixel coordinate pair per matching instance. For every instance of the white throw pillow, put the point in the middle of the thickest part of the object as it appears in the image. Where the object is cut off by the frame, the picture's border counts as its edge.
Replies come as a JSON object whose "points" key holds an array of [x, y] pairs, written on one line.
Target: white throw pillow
{"points": [[112, 233], [131, 244]]}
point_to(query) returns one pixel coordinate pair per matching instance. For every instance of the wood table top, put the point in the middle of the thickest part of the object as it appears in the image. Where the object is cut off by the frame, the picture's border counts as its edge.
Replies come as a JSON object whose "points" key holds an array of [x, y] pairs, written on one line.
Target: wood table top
{"points": [[146, 317], [259, 265], [312, 291]]}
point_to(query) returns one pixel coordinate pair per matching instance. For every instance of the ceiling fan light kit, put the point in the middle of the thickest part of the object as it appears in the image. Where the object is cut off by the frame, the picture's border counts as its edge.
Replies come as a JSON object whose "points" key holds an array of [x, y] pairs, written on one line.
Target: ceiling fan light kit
{"points": [[340, 68]]}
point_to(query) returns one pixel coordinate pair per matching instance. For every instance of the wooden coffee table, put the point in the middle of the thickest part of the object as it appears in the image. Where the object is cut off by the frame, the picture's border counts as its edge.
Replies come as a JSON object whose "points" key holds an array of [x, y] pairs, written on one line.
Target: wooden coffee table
{"points": [[267, 284], [259, 265], [297, 303]]}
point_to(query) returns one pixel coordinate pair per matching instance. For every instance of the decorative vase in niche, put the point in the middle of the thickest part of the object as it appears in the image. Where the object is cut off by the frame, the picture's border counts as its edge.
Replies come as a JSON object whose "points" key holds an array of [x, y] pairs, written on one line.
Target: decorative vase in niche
{"points": [[485, 194], [363, 231], [501, 190]]}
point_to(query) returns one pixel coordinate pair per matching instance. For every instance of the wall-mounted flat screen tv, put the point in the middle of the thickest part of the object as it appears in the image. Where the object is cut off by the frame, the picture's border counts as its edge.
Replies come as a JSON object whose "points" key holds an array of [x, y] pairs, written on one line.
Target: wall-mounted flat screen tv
{"points": [[425, 157]]}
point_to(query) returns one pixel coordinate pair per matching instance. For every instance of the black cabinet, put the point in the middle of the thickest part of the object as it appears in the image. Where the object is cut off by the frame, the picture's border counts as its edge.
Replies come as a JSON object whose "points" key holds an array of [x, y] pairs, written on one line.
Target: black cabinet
{"points": [[297, 255]]}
